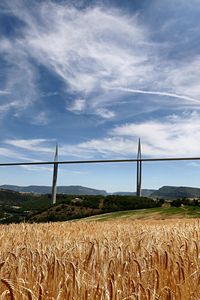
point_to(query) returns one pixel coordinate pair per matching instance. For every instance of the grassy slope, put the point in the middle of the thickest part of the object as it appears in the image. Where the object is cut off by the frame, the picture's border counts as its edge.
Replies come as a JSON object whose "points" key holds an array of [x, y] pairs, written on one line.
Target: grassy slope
{"points": [[151, 213]]}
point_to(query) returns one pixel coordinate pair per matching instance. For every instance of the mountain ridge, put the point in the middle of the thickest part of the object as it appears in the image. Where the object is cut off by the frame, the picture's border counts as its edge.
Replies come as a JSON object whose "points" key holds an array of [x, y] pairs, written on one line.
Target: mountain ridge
{"points": [[174, 192], [167, 192], [40, 189]]}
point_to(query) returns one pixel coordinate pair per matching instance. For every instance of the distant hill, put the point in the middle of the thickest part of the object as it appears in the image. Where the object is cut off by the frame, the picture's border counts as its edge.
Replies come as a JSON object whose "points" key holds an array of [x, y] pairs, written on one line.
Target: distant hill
{"points": [[165, 192], [174, 192], [68, 190], [145, 193]]}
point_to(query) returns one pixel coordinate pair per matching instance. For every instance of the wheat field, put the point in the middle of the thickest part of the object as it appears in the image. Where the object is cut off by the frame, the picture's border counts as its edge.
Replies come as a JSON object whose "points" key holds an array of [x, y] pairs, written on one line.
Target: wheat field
{"points": [[101, 260]]}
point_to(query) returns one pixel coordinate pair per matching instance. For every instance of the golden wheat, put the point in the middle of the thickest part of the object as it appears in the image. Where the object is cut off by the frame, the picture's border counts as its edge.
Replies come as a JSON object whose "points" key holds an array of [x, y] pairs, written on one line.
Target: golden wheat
{"points": [[118, 260]]}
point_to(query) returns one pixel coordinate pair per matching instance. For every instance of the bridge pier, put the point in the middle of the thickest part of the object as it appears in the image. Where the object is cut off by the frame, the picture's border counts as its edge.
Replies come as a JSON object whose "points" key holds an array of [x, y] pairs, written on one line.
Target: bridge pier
{"points": [[139, 171], [55, 175]]}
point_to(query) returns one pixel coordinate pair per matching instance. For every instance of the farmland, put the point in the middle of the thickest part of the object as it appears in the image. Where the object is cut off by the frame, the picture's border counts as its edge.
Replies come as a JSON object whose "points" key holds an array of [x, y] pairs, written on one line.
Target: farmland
{"points": [[134, 259]]}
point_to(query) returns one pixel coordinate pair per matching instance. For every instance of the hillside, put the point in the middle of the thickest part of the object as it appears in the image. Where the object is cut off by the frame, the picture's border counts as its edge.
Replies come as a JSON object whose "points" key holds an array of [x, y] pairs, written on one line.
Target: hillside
{"points": [[69, 190], [63, 212], [174, 192], [16, 207], [84, 206]]}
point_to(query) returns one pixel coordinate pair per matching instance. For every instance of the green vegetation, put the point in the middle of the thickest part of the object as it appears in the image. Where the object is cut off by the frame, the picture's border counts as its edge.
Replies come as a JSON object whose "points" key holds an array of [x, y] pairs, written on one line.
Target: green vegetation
{"points": [[118, 203], [73, 207], [17, 207], [150, 213]]}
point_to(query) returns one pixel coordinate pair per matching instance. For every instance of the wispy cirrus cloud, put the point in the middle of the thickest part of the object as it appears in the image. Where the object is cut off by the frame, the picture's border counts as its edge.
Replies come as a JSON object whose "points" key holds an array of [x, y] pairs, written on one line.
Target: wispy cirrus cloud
{"points": [[5, 152], [39, 149], [40, 119], [39, 145], [175, 135], [4, 92], [7, 106], [85, 56], [90, 59], [20, 90], [156, 93], [171, 136], [78, 105], [28, 150]]}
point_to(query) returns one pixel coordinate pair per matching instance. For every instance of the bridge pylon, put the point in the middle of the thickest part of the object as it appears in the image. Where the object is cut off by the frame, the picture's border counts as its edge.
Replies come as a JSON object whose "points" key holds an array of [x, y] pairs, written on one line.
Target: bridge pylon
{"points": [[139, 170]]}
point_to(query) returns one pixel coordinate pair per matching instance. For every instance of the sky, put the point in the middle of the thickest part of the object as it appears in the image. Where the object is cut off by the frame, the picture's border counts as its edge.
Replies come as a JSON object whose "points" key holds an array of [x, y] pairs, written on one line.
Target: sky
{"points": [[94, 76]]}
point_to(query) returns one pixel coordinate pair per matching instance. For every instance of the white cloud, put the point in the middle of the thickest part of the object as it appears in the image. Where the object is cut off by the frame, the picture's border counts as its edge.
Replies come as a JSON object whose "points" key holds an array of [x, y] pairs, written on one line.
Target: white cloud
{"points": [[20, 90], [184, 78], [7, 152], [38, 145], [14, 155], [41, 119], [40, 149], [37, 168], [4, 92], [84, 55], [49, 94], [78, 105], [31, 150], [105, 113], [173, 136], [156, 93], [109, 146], [6, 107]]}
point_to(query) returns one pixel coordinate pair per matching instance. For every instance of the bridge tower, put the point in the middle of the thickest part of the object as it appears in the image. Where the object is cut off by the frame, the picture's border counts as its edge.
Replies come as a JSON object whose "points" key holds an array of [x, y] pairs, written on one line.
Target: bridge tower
{"points": [[139, 170], [55, 175]]}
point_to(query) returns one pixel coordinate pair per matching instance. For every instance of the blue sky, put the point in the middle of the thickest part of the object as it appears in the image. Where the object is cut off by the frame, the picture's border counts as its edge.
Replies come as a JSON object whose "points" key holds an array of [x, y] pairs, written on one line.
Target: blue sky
{"points": [[94, 76]]}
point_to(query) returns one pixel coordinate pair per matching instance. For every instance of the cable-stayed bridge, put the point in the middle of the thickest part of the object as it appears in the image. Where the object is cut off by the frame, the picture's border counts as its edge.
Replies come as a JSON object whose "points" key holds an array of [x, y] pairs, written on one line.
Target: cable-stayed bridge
{"points": [[139, 161]]}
